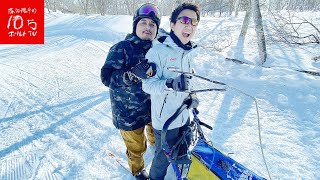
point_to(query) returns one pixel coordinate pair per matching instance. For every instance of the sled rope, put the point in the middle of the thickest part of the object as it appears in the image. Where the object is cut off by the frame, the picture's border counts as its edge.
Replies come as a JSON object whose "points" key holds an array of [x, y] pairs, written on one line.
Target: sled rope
{"points": [[174, 69], [259, 126]]}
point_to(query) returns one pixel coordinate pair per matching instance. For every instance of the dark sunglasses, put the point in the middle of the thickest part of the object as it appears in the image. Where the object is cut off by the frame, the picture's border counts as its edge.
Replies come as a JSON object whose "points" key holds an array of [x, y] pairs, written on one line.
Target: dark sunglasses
{"points": [[187, 20], [148, 10]]}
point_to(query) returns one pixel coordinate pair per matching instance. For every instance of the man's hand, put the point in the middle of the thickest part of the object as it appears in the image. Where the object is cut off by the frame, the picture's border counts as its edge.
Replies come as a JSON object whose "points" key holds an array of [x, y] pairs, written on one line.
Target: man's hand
{"points": [[180, 83], [144, 70], [192, 101], [129, 76]]}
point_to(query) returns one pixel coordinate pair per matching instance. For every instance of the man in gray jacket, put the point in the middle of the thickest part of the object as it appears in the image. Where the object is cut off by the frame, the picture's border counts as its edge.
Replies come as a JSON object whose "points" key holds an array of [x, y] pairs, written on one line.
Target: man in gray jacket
{"points": [[168, 89]]}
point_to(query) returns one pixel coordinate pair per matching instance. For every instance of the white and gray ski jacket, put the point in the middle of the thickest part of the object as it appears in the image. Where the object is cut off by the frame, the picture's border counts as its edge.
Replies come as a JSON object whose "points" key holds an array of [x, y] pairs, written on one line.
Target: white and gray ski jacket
{"points": [[164, 100]]}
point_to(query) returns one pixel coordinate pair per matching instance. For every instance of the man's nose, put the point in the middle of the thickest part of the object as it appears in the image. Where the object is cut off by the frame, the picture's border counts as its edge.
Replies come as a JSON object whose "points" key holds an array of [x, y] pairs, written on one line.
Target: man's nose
{"points": [[149, 26], [188, 24]]}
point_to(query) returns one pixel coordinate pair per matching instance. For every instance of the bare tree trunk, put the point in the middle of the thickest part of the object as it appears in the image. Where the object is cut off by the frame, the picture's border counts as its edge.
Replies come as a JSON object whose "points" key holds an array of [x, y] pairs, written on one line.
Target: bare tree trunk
{"points": [[245, 23], [94, 6], [257, 17], [231, 7], [101, 7], [178, 2], [131, 6], [84, 5], [54, 6], [220, 8], [237, 8], [244, 30], [269, 6], [48, 5]]}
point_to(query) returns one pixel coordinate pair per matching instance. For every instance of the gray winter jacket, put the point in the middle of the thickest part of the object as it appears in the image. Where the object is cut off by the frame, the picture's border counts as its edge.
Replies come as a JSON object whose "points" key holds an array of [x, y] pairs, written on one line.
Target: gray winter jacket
{"points": [[165, 101]]}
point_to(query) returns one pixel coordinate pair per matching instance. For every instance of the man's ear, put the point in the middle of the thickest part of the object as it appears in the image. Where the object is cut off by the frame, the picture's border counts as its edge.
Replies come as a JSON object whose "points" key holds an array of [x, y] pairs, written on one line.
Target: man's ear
{"points": [[172, 25]]}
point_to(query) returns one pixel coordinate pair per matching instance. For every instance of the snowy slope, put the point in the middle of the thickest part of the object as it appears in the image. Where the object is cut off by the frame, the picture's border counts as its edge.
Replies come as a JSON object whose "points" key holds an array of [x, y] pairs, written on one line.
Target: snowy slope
{"points": [[55, 117]]}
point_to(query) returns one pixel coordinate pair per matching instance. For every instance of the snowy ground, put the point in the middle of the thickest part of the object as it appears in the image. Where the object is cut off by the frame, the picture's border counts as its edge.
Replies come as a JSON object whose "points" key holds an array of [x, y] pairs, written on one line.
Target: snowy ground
{"points": [[55, 117]]}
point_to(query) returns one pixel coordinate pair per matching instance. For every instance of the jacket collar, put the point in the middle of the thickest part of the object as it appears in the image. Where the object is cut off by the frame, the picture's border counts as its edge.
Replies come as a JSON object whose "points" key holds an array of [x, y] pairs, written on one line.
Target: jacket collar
{"points": [[176, 40], [165, 38], [145, 44]]}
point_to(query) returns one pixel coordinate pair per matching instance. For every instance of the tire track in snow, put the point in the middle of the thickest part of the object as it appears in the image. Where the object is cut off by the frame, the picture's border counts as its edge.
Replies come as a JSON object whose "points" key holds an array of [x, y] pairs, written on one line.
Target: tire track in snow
{"points": [[8, 108], [56, 127], [51, 84], [41, 133], [26, 141], [18, 167], [15, 53]]}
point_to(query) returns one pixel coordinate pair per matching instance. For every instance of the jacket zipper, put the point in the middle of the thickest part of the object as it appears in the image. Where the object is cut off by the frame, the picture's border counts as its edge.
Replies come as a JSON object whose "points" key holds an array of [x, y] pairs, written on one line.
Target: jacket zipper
{"points": [[182, 61], [164, 101]]}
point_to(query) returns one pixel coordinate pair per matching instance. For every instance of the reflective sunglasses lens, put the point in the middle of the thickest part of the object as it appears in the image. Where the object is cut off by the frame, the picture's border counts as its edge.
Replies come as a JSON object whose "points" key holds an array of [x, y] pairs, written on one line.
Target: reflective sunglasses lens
{"points": [[186, 20], [194, 22]]}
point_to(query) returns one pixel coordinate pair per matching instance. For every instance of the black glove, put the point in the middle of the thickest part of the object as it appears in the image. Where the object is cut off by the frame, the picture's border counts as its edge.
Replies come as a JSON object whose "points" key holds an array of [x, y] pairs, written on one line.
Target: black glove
{"points": [[144, 70], [129, 77], [192, 101], [180, 83]]}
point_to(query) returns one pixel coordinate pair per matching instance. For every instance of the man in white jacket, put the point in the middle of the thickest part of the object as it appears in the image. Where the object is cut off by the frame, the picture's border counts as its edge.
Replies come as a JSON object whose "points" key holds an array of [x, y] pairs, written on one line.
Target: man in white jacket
{"points": [[168, 90]]}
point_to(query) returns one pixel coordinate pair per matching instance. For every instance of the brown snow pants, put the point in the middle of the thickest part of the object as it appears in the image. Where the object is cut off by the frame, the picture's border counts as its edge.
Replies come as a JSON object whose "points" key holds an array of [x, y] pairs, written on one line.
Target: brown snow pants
{"points": [[136, 144]]}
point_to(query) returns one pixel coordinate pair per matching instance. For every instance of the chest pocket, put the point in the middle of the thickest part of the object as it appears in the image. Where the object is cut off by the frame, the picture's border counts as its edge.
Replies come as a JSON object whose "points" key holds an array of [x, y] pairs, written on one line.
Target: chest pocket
{"points": [[171, 61]]}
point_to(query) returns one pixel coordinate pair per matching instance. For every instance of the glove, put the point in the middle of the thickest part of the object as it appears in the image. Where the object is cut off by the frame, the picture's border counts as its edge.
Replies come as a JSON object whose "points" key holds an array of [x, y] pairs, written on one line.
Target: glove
{"points": [[144, 70], [192, 101], [180, 83], [129, 77]]}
